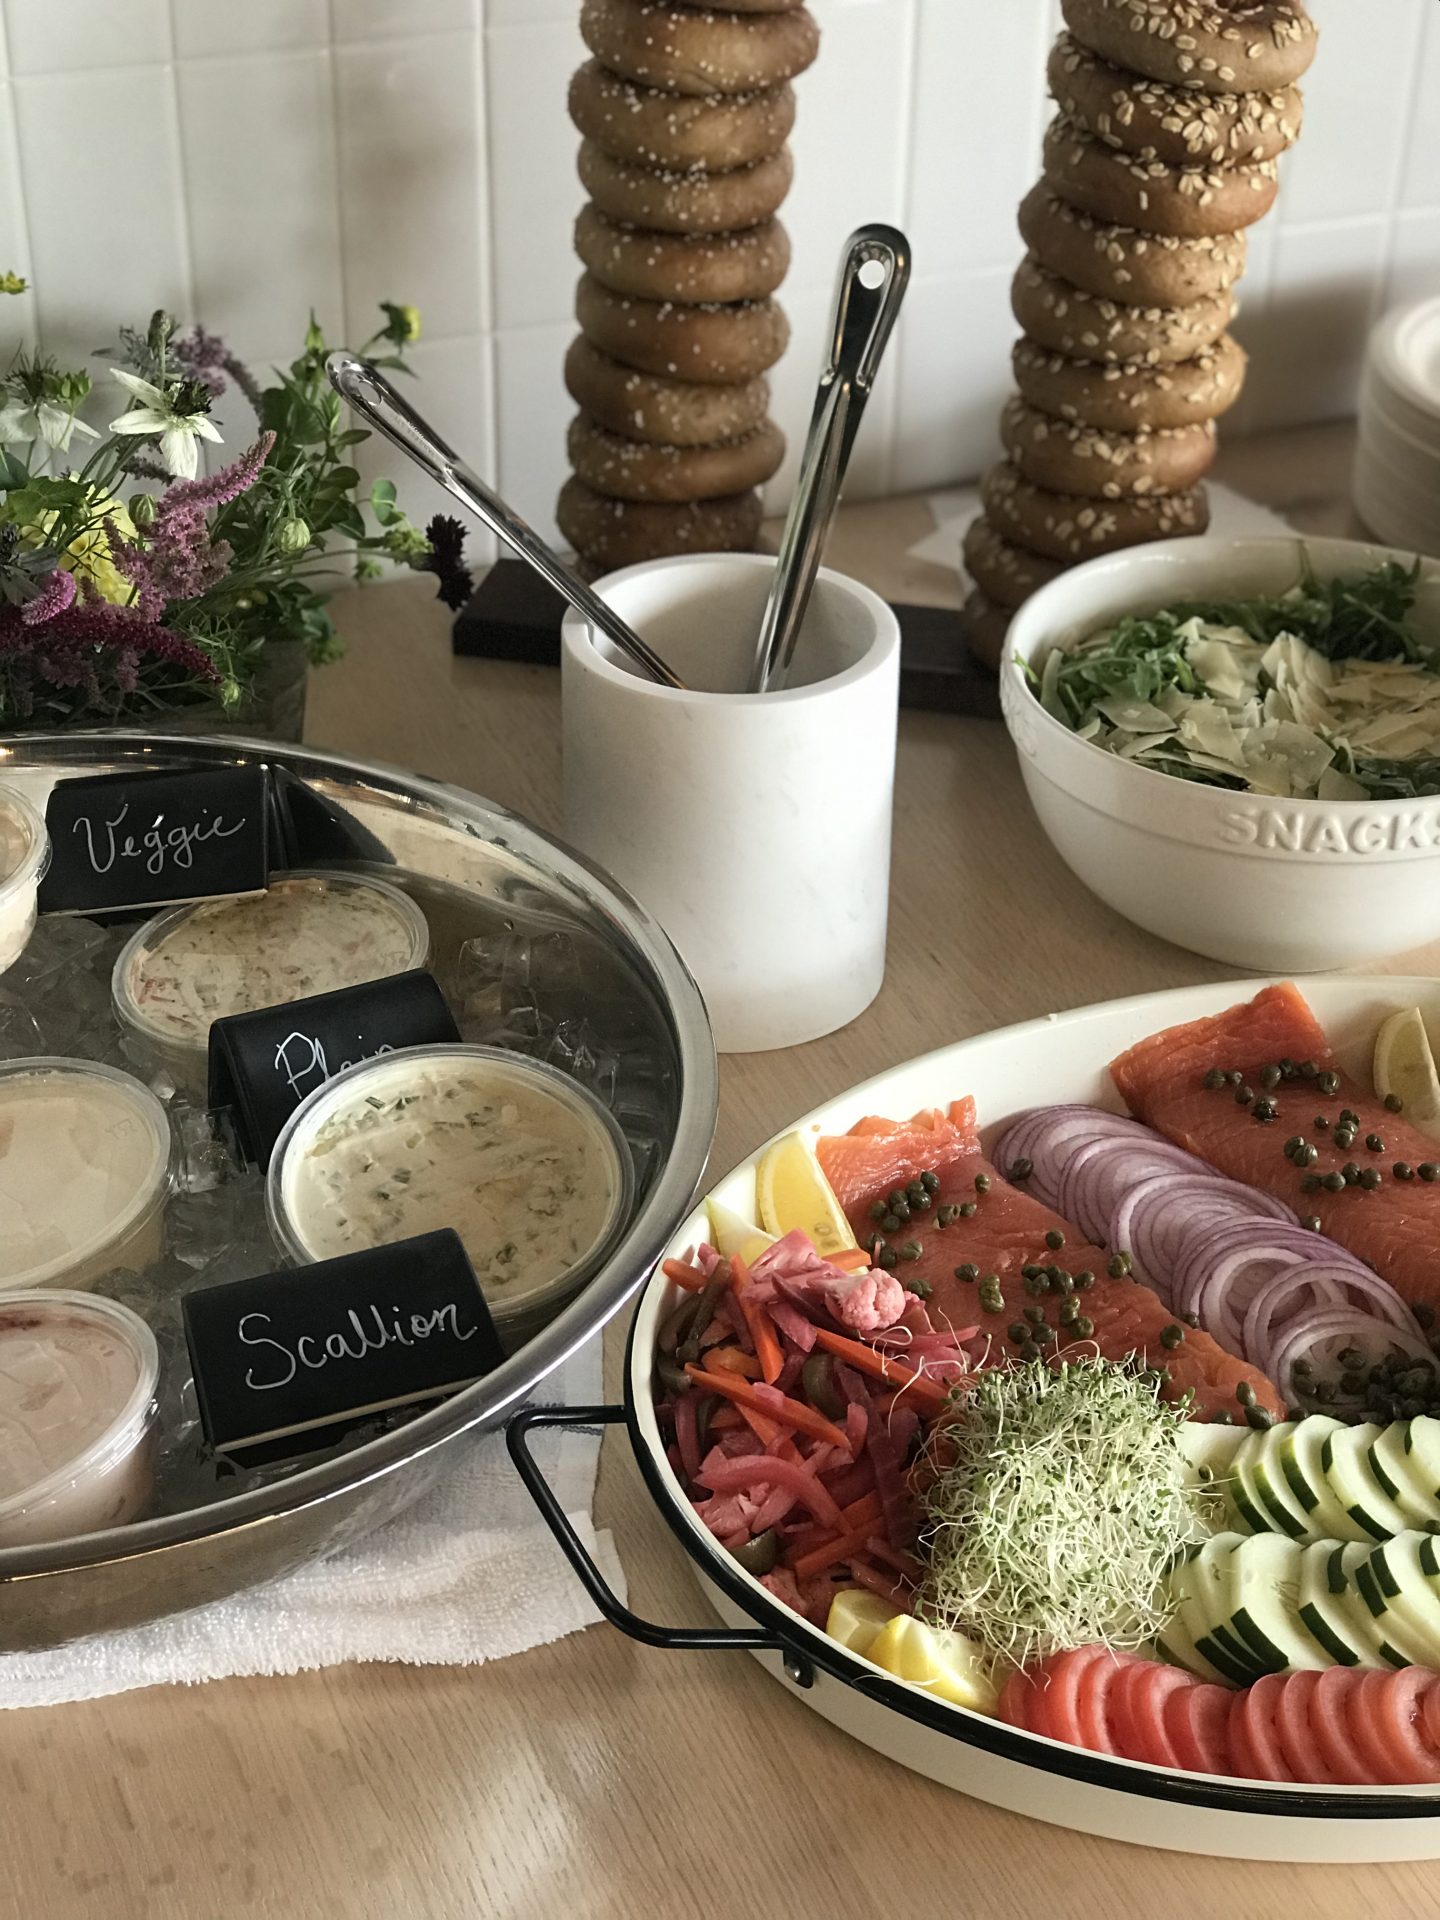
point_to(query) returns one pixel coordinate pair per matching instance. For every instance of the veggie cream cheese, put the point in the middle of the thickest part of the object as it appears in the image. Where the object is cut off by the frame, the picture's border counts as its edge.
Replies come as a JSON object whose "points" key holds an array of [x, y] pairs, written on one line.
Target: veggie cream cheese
{"points": [[530, 1172], [77, 1411], [24, 856], [84, 1172], [308, 933]]}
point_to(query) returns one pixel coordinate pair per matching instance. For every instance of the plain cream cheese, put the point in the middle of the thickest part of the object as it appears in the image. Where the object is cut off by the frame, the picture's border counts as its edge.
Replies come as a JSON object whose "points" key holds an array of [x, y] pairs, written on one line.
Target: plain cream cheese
{"points": [[65, 1379], [78, 1156], [304, 936], [527, 1178]]}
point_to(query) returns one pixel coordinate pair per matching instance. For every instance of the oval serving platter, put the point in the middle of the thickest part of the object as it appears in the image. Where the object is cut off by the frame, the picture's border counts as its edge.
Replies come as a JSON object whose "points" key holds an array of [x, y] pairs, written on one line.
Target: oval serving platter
{"points": [[1059, 1058]]}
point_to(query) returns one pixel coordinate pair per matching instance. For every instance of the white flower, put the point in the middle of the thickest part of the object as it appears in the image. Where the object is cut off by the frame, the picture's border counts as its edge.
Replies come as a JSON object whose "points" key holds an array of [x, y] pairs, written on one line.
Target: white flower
{"points": [[154, 414], [20, 421]]}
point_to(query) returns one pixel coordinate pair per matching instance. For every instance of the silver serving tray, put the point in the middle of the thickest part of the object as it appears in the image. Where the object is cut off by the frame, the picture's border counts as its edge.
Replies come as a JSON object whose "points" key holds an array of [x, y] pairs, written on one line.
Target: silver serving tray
{"points": [[487, 866]]}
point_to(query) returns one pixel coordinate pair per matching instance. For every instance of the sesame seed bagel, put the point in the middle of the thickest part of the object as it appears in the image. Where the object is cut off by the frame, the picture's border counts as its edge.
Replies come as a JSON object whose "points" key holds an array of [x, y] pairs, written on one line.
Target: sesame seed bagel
{"points": [[1126, 397], [1188, 202], [1055, 313], [1241, 47], [620, 533], [714, 344], [1068, 457], [646, 406], [686, 202], [681, 50], [1121, 263], [626, 469], [693, 267], [1068, 527], [1178, 125], [675, 132], [1006, 574], [985, 628]]}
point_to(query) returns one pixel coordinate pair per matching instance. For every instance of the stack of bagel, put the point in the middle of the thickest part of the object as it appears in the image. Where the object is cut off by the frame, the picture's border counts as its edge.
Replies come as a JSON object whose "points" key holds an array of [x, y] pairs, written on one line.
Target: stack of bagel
{"points": [[1171, 115], [684, 114]]}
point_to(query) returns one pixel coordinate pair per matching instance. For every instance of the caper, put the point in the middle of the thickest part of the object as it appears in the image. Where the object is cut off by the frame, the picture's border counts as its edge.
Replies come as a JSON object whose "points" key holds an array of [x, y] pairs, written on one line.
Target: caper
{"points": [[877, 1209], [1270, 1077], [968, 1209], [1022, 1169], [982, 1183], [1070, 1283], [1214, 1080], [1045, 1336], [1393, 1103], [1018, 1331], [1245, 1394], [896, 1199], [968, 1272], [1307, 1156], [1322, 1125], [890, 1222], [1428, 1170], [1374, 1143], [1309, 1070], [1311, 1222], [1333, 1182], [900, 1213], [1244, 1095], [1424, 1314], [1120, 1265], [1350, 1356], [911, 1250], [1235, 1077], [1351, 1381], [1328, 1083], [1302, 1369], [1258, 1418], [1084, 1326], [1370, 1178], [1054, 1239], [1084, 1281], [930, 1181], [1403, 1170], [1172, 1335], [1035, 1315], [889, 1259]]}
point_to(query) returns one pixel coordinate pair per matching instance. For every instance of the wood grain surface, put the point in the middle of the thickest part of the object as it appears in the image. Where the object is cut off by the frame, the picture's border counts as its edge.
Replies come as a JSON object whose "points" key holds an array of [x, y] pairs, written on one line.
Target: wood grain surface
{"points": [[594, 1777]]}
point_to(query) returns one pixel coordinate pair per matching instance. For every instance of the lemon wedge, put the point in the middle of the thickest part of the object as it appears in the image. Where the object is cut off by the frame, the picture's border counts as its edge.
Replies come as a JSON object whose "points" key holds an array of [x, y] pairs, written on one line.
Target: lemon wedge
{"points": [[943, 1662], [1405, 1065], [856, 1616], [731, 1233], [791, 1192]]}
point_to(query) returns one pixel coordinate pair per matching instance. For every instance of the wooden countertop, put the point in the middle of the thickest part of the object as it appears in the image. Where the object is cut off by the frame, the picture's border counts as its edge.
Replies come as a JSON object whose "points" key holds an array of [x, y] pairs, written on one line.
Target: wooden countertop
{"points": [[594, 1777]]}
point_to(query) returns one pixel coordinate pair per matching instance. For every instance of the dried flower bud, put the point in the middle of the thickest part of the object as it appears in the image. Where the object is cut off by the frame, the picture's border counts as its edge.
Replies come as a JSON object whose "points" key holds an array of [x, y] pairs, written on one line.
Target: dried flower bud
{"points": [[142, 509], [293, 536]]}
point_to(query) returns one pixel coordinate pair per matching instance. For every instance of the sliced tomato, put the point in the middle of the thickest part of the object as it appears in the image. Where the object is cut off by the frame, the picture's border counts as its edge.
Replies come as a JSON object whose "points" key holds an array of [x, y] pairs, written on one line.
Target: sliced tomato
{"points": [[1399, 1709], [1292, 1726], [1337, 1717], [1197, 1719], [1254, 1739], [1016, 1699], [1093, 1701], [1430, 1716], [1137, 1711], [1056, 1707]]}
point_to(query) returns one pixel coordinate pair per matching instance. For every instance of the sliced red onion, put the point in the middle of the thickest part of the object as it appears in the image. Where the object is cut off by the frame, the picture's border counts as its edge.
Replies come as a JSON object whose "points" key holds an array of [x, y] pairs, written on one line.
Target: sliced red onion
{"points": [[1219, 1291], [1047, 1136], [1289, 1299], [1153, 1219], [1341, 1328]]}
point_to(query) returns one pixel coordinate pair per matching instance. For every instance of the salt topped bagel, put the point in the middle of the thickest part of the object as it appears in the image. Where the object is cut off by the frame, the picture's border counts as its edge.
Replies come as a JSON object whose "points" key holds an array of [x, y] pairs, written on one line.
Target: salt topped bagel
{"points": [[1129, 397], [1179, 125], [1006, 574], [620, 533], [647, 406], [714, 344], [1242, 47], [1121, 263], [1069, 457], [686, 202], [674, 132], [679, 49], [1149, 195], [626, 469], [1057, 314], [1068, 527], [692, 267]]}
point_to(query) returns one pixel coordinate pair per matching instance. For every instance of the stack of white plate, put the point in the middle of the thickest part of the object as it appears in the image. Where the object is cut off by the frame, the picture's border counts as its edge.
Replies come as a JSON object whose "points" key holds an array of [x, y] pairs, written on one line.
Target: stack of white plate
{"points": [[1397, 467]]}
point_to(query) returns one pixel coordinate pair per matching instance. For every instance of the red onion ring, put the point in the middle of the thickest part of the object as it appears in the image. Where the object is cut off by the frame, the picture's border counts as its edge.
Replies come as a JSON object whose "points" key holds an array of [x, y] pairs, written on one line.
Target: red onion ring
{"points": [[1356, 1328], [1153, 1220]]}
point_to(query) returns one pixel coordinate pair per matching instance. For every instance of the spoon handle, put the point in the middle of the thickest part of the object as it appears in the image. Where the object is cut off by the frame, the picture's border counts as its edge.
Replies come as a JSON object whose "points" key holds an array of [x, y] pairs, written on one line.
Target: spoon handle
{"points": [[371, 394], [873, 276]]}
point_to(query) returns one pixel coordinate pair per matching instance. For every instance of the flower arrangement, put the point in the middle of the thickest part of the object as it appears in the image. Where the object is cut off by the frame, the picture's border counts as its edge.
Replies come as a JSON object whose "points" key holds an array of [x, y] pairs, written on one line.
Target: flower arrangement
{"points": [[132, 584]]}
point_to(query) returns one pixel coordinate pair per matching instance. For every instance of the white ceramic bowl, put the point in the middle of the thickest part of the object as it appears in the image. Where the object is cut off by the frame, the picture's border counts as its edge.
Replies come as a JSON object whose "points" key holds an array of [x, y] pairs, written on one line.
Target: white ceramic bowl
{"points": [[1283, 885]]}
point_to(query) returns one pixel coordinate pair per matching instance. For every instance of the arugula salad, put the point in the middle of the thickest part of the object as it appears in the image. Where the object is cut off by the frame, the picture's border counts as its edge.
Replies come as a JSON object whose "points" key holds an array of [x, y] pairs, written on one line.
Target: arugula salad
{"points": [[1325, 692]]}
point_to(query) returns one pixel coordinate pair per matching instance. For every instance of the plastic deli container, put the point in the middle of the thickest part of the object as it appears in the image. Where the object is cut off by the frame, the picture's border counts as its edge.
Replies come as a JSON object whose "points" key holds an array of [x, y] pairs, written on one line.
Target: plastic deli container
{"points": [[526, 1166], [84, 1175], [78, 1412], [24, 856], [309, 933]]}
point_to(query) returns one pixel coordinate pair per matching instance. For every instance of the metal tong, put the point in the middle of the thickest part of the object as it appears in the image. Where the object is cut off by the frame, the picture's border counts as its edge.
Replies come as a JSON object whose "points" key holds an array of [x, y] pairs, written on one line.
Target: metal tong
{"points": [[372, 395], [873, 276]]}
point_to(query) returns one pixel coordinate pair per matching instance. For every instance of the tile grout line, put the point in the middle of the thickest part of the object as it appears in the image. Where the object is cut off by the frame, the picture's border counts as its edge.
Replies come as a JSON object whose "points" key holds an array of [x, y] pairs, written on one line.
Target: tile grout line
{"points": [[187, 235], [905, 185], [485, 241], [20, 196], [1424, 26], [332, 73]]}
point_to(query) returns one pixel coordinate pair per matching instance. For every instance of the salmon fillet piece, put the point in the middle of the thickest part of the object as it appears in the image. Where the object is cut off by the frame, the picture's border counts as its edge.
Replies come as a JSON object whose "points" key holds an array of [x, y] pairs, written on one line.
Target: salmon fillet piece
{"points": [[1006, 1233], [1395, 1228], [878, 1155]]}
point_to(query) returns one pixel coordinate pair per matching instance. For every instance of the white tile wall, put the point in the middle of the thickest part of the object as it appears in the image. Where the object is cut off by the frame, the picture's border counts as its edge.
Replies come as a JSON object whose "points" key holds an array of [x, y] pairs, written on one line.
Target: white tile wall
{"points": [[244, 160]]}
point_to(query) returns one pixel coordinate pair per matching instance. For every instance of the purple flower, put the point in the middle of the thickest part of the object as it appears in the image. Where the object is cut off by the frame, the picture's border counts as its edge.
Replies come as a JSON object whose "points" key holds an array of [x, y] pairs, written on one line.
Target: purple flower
{"points": [[178, 560], [67, 649], [55, 595]]}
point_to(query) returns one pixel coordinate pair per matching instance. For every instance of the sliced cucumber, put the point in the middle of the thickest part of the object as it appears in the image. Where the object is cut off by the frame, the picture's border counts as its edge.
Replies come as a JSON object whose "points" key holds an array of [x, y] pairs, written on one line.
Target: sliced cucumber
{"points": [[1299, 1461], [1422, 1438], [1410, 1620], [1258, 1471], [1392, 1461], [1205, 1611], [1345, 1463], [1210, 1450], [1328, 1606], [1176, 1643], [1263, 1579]]}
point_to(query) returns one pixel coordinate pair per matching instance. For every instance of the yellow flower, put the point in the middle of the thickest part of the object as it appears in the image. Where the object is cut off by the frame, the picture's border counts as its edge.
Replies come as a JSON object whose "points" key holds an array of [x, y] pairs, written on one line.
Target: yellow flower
{"points": [[88, 554]]}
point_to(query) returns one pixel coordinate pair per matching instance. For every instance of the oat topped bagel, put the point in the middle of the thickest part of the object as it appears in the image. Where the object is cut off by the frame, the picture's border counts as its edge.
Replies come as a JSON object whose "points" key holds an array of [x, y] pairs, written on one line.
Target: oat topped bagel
{"points": [[1180, 125], [1250, 46]]}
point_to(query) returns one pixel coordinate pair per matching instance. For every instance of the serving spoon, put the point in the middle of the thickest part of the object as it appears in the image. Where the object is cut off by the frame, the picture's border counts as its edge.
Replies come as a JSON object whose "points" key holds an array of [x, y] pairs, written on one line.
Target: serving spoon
{"points": [[371, 394]]}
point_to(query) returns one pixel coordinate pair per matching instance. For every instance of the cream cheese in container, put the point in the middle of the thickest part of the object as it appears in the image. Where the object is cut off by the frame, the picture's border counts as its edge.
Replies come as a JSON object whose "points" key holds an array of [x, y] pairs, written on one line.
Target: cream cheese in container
{"points": [[84, 1173], [24, 856], [78, 1376], [527, 1167], [309, 933]]}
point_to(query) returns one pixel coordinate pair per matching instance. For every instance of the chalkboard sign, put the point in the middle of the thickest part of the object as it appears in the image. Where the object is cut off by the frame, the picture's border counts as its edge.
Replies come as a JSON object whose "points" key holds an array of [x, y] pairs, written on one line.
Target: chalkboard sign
{"points": [[134, 840], [264, 1064], [288, 1361]]}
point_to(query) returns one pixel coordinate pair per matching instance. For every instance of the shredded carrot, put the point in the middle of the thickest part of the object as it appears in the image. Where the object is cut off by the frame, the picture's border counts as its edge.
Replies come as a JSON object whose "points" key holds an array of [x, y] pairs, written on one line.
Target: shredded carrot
{"points": [[767, 1345], [685, 1276], [774, 1407], [725, 1420], [852, 1259], [918, 1389], [866, 1512], [733, 1361], [840, 1548]]}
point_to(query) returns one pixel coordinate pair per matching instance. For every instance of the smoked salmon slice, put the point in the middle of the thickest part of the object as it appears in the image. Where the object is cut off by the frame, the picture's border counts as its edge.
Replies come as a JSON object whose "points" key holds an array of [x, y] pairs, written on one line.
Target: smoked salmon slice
{"points": [[1394, 1225], [1006, 1233]]}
